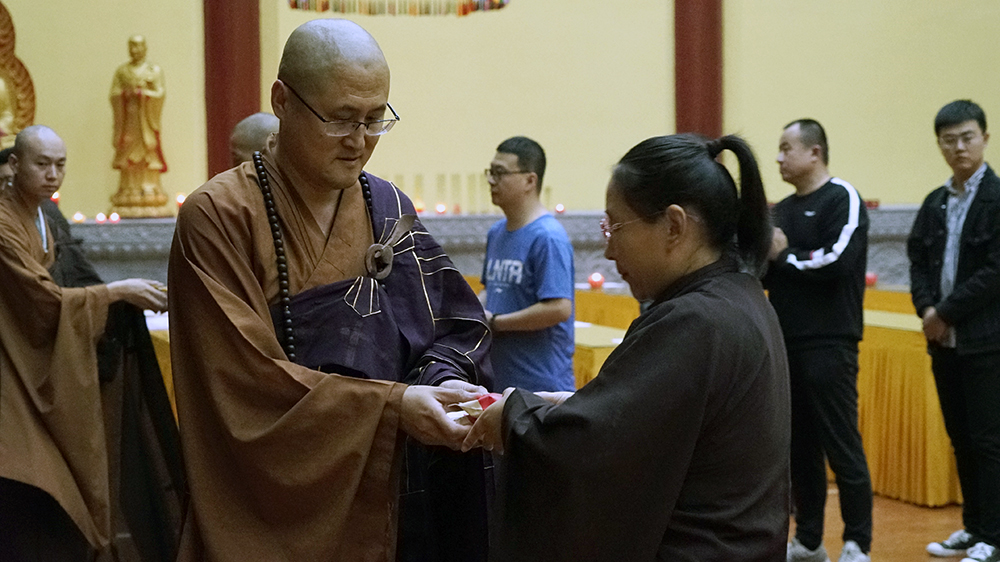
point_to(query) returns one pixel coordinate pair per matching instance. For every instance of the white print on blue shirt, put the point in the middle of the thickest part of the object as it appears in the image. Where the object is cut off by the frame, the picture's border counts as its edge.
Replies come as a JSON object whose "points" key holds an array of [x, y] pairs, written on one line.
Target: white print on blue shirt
{"points": [[505, 271]]}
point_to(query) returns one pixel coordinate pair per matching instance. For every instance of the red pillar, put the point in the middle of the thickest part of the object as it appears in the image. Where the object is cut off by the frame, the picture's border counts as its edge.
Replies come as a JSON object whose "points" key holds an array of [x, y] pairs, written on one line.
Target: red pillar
{"points": [[232, 72], [698, 66]]}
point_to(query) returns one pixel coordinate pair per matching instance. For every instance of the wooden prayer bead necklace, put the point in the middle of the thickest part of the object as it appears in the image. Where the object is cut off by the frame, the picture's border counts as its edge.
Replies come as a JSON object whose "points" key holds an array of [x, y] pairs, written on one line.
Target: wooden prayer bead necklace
{"points": [[287, 332]]}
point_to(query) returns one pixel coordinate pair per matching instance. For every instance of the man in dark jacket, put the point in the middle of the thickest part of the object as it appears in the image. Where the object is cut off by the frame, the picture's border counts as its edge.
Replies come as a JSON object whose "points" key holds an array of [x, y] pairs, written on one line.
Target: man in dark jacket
{"points": [[954, 251], [816, 283]]}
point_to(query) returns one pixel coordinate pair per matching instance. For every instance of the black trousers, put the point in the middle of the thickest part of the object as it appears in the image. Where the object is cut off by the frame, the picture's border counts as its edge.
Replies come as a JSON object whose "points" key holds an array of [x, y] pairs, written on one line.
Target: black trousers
{"points": [[824, 385], [35, 528], [969, 389]]}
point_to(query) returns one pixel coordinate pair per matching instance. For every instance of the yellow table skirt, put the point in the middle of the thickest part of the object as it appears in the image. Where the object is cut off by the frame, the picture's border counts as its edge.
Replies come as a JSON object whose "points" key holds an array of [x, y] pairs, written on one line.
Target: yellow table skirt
{"points": [[909, 453], [593, 345], [161, 345]]}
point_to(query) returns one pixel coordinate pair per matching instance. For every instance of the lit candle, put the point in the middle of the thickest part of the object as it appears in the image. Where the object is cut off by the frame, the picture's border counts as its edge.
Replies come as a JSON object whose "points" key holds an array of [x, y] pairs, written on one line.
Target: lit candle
{"points": [[471, 197], [101, 218], [485, 197], [419, 206], [78, 217], [442, 188], [114, 217], [596, 280], [55, 197], [418, 187], [560, 208], [441, 208], [180, 200], [456, 193]]}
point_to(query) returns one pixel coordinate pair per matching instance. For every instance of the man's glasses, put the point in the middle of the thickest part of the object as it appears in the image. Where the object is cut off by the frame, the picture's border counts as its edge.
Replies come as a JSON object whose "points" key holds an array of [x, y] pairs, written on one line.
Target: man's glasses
{"points": [[951, 141], [345, 128], [499, 173]]}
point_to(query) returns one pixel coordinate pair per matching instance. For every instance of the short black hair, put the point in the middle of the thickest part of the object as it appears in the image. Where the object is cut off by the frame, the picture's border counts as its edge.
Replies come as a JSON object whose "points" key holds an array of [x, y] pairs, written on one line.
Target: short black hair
{"points": [[958, 112], [812, 134], [5, 155], [530, 156]]}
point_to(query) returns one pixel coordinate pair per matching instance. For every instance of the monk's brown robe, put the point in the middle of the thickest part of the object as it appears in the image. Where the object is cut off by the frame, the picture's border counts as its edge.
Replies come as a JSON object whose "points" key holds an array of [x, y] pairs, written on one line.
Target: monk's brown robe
{"points": [[51, 427], [284, 462]]}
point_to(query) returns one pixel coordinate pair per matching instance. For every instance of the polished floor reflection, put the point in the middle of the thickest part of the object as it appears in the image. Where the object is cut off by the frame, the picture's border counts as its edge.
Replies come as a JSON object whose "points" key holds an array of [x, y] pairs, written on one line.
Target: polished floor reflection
{"points": [[901, 531]]}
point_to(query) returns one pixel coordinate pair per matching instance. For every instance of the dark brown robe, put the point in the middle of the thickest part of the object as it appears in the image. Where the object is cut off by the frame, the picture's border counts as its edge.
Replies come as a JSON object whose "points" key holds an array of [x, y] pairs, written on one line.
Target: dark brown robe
{"points": [[678, 450], [286, 462]]}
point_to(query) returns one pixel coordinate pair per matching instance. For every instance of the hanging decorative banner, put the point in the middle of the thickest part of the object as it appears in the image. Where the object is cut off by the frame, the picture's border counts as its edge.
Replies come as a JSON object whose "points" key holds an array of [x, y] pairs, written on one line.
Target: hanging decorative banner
{"points": [[399, 7]]}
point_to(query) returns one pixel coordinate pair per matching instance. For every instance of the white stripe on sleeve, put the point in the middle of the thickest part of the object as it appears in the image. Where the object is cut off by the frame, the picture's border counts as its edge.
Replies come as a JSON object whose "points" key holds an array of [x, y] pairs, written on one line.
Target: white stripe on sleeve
{"points": [[819, 258]]}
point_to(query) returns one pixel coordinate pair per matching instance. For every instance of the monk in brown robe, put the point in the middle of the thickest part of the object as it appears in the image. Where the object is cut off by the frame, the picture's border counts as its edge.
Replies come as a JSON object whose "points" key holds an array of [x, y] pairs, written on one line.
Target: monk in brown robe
{"points": [[54, 489], [315, 324], [250, 135]]}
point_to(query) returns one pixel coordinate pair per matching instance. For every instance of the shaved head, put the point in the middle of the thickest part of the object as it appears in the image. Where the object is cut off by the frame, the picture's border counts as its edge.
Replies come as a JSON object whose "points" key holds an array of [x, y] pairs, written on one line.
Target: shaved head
{"points": [[250, 135], [28, 137], [331, 71], [317, 51], [38, 163]]}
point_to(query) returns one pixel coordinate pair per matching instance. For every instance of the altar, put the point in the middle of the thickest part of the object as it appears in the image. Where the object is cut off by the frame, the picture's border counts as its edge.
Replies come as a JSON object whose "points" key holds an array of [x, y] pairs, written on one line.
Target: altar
{"points": [[140, 247]]}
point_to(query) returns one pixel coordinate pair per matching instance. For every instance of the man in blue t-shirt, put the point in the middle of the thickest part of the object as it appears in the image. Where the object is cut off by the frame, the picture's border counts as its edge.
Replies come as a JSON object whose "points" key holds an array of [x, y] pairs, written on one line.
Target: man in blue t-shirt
{"points": [[528, 276]]}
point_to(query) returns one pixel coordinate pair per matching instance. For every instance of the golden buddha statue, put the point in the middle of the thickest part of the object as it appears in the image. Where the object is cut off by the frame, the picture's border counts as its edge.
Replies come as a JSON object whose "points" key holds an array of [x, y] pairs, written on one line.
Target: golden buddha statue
{"points": [[137, 93], [7, 129], [17, 94]]}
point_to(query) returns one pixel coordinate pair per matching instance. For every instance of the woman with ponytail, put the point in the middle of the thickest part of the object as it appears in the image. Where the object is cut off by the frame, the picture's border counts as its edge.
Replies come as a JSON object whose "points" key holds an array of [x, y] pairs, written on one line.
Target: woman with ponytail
{"points": [[678, 450]]}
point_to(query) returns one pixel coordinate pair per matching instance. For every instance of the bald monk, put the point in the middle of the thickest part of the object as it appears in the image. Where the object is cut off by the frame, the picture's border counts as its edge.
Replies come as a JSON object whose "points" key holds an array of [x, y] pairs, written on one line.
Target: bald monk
{"points": [[250, 135], [54, 489], [315, 327]]}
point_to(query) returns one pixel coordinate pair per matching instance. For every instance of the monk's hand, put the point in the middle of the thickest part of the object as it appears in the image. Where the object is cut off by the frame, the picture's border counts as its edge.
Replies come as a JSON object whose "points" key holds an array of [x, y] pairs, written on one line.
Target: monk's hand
{"points": [[423, 415], [143, 293], [487, 431], [474, 391], [555, 398]]}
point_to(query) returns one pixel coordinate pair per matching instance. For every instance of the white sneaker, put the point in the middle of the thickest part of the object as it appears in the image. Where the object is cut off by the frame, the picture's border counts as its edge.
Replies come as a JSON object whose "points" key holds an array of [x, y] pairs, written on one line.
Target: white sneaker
{"points": [[852, 553], [954, 545], [982, 552], [797, 552]]}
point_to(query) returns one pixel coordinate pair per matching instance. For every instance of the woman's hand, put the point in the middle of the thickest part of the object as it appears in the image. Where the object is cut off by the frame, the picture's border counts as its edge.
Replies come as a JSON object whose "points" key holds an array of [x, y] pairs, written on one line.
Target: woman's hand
{"points": [[486, 432]]}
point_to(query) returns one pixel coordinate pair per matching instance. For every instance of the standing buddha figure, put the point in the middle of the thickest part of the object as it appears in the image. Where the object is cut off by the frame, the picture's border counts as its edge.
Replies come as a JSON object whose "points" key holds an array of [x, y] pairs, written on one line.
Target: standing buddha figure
{"points": [[137, 94]]}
